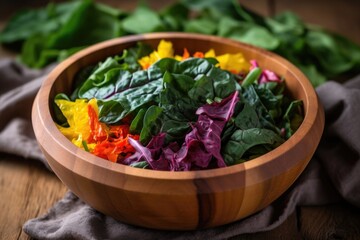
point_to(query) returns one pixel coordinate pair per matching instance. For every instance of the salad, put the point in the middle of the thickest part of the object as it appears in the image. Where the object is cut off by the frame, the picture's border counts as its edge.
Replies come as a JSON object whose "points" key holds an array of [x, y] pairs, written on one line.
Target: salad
{"points": [[151, 108]]}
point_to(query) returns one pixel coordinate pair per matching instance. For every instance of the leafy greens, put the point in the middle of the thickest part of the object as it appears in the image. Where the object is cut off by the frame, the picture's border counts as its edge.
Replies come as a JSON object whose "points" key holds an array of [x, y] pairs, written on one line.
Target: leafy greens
{"points": [[57, 31], [188, 114]]}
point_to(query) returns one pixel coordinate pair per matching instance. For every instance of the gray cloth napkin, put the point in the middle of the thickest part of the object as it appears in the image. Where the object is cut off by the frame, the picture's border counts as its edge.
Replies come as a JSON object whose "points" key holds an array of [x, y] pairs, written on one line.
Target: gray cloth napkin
{"points": [[18, 87], [331, 175]]}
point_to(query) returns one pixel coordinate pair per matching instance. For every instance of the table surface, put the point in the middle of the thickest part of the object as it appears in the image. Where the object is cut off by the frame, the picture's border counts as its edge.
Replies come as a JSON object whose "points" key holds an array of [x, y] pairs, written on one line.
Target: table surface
{"points": [[28, 189]]}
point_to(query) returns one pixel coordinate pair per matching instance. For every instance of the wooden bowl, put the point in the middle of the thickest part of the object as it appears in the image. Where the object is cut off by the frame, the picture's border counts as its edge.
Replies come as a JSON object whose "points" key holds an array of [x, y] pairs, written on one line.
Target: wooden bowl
{"points": [[177, 200]]}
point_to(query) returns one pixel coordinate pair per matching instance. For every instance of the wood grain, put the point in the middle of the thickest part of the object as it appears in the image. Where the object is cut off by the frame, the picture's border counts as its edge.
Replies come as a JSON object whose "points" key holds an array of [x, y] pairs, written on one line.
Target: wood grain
{"points": [[342, 222], [27, 190], [287, 230]]}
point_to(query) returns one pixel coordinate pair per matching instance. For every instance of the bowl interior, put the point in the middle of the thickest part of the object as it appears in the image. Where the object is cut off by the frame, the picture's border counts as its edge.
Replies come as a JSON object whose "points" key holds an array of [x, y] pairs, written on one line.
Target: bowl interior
{"points": [[297, 85]]}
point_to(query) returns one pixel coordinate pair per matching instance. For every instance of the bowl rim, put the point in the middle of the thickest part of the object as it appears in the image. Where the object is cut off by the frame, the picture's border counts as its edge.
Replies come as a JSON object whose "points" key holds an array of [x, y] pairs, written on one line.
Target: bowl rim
{"points": [[313, 108]]}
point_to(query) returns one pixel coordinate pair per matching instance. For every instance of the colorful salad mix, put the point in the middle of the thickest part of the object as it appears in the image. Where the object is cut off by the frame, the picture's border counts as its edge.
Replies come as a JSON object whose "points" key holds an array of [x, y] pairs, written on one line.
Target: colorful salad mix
{"points": [[150, 108]]}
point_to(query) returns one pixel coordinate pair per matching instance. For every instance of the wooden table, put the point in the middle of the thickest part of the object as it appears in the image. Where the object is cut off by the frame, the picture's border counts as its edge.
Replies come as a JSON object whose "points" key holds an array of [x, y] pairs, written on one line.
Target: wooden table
{"points": [[28, 189]]}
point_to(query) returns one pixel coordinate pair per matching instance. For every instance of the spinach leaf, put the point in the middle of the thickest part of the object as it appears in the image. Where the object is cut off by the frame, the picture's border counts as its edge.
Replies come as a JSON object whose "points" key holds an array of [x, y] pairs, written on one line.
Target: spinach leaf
{"points": [[182, 89], [57, 31], [42, 21], [76, 26], [270, 101], [58, 115], [151, 124], [325, 49], [97, 84], [201, 25], [80, 78], [137, 123], [224, 7], [143, 20], [251, 96], [87, 25], [247, 32], [174, 97], [243, 140], [292, 118], [247, 118], [286, 23], [116, 107], [121, 92], [175, 16], [175, 130], [202, 90], [245, 14]]}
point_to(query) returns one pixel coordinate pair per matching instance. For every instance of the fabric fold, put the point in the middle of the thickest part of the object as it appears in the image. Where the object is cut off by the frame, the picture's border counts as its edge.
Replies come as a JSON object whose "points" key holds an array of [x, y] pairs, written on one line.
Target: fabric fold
{"points": [[331, 176]]}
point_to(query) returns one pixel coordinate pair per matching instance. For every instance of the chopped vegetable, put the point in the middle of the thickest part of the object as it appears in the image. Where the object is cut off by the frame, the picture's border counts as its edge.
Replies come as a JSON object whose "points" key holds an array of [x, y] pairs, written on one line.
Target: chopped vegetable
{"points": [[86, 131], [178, 112]]}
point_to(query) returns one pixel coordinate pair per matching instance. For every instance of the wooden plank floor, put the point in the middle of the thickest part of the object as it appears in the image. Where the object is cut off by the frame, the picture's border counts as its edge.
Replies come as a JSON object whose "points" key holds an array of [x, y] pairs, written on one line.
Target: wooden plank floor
{"points": [[28, 189]]}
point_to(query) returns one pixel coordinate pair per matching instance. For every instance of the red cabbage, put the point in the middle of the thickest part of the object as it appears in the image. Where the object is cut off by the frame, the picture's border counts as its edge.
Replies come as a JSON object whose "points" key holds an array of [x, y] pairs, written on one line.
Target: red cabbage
{"points": [[201, 145], [152, 153], [204, 141], [266, 75]]}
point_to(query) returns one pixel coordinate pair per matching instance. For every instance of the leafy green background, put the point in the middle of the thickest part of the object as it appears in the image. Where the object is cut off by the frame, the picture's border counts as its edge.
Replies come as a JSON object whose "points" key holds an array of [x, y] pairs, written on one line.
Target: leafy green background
{"points": [[57, 31]]}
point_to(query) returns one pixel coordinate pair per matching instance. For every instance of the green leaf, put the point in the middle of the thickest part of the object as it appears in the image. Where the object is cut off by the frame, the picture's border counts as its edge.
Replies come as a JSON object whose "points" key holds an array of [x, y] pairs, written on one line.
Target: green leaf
{"points": [[137, 123], [42, 21], [247, 15], [79, 80], [151, 125], [248, 32], [175, 130], [65, 53], [120, 104], [84, 24], [142, 164], [59, 117], [143, 20], [223, 6], [327, 53], [293, 117], [111, 111], [114, 12], [87, 25], [201, 25], [175, 16], [267, 97], [32, 55], [203, 89], [243, 140], [101, 81], [286, 22], [174, 98], [247, 118], [252, 98]]}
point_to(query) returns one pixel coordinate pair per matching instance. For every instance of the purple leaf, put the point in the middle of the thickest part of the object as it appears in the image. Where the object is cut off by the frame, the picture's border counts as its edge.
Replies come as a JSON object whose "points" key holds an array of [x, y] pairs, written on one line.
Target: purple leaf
{"points": [[222, 110], [201, 145], [152, 153], [204, 141], [266, 75]]}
